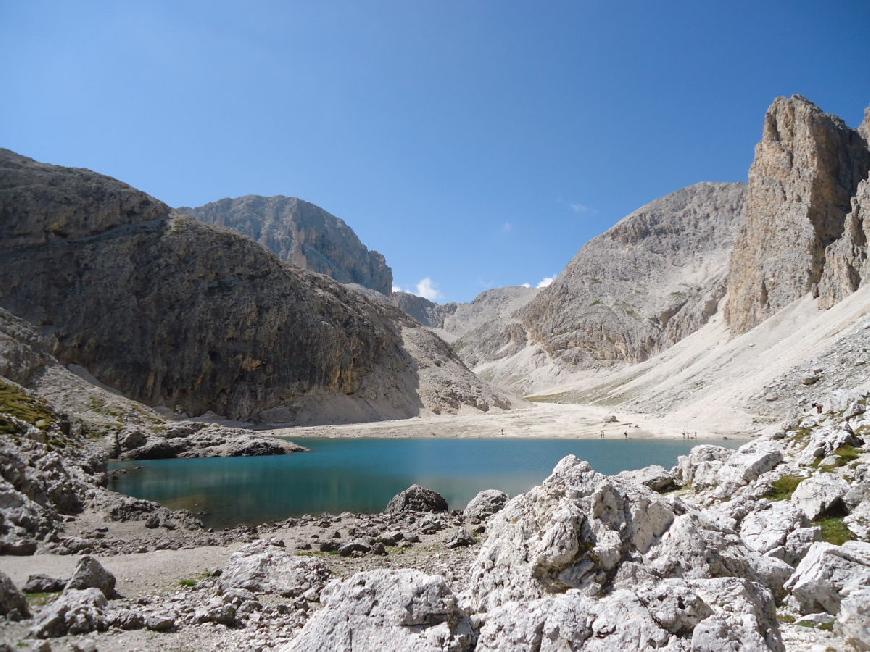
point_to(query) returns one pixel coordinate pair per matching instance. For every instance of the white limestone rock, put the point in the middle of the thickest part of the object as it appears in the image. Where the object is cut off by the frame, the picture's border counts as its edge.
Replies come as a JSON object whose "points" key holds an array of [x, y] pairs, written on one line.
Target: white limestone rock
{"points": [[818, 493], [397, 610], [674, 614], [571, 531], [261, 567], [74, 612], [766, 529], [485, 504], [858, 521], [853, 621], [828, 574]]}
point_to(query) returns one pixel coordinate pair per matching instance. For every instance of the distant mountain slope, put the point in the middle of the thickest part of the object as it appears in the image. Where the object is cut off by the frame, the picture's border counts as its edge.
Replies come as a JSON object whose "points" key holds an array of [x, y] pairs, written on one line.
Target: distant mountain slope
{"points": [[170, 311], [303, 234], [644, 284]]}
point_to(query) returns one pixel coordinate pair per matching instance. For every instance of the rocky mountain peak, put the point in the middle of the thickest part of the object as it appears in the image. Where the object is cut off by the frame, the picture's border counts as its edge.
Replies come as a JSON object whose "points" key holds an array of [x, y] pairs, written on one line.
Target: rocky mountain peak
{"points": [[807, 168], [302, 234]]}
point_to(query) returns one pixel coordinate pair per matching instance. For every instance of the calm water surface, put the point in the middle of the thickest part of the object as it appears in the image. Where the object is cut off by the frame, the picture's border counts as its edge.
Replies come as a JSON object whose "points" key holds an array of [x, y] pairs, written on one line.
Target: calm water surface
{"points": [[361, 475]]}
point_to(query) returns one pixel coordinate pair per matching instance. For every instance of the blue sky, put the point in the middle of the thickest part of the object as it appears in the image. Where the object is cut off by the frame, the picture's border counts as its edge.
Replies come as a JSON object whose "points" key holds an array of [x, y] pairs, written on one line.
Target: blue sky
{"points": [[474, 143]]}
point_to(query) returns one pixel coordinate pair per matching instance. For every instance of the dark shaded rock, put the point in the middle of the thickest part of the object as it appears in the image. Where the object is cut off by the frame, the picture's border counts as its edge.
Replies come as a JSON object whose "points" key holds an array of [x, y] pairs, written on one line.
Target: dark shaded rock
{"points": [[417, 499], [89, 573], [13, 604], [43, 584]]}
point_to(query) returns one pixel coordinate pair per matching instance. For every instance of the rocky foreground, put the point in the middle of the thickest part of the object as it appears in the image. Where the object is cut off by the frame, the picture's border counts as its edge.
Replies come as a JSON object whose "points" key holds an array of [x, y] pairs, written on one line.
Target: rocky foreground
{"points": [[766, 547]]}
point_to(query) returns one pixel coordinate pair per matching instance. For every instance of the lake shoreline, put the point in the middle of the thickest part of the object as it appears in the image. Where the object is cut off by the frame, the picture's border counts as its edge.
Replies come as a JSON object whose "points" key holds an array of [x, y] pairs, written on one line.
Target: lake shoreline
{"points": [[535, 421]]}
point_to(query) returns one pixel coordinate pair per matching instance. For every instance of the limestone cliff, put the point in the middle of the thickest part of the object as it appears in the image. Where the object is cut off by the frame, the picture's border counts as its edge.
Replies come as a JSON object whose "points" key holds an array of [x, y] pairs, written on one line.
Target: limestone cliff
{"points": [[646, 283], [807, 168], [170, 311], [303, 234]]}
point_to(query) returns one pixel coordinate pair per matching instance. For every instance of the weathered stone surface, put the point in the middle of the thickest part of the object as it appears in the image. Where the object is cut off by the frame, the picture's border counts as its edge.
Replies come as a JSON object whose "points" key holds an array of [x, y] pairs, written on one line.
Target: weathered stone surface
{"points": [[74, 612], [13, 604], [815, 495], [89, 573], [828, 574], [572, 531], [700, 465], [417, 499], [43, 584], [655, 477], [264, 568], [853, 621], [302, 234], [858, 521], [807, 168], [485, 504], [402, 610], [846, 259], [766, 529], [173, 312], [643, 285], [671, 615]]}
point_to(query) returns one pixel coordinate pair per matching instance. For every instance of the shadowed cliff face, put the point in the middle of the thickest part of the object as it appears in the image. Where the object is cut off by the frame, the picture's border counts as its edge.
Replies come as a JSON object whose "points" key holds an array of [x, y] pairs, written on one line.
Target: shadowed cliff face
{"points": [[643, 285], [806, 170], [303, 234], [171, 311]]}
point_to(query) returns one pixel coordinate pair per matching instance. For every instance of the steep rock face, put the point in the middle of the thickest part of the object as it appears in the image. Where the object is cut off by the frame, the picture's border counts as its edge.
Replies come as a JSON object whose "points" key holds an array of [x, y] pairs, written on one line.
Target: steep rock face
{"points": [[846, 266], [174, 312], [643, 285], [424, 311], [303, 234], [807, 168]]}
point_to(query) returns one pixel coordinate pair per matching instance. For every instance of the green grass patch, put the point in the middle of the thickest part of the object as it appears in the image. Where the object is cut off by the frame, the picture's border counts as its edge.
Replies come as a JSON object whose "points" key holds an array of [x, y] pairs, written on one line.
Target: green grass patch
{"points": [[834, 530], [783, 488], [17, 403], [802, 435], [785, 618], [846, 454], [187, 583], [40, 599]]}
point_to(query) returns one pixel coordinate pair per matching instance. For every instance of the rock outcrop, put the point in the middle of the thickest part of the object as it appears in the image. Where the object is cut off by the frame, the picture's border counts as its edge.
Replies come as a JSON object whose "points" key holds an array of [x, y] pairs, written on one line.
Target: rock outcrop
{"points": [[846, 259], [646, 283], [417, 499], [303, 234], [173, 312], [806, 171], [403, 610]]}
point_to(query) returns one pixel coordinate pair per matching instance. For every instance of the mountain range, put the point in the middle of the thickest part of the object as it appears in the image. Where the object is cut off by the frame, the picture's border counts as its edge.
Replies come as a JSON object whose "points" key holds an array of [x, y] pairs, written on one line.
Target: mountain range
{"points": [[271, 309]]}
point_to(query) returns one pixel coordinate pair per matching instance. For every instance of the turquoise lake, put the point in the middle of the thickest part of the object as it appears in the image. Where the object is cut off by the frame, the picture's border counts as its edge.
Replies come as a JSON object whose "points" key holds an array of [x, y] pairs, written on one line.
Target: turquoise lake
{"points": [[361, 475]]}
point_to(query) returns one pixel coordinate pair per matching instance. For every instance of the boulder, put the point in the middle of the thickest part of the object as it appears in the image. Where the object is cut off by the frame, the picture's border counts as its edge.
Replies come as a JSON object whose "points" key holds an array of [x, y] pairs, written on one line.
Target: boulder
{"points": [[13, 604], [699, 467], [43, 584], [828, 574], [460, 539], [853, 621], [88, 574], [485, 504], [817, 494], [858, 521], [417, 499], [655, 477], [572, 531], [674, 614], [766, 529], [263, 568], [74, 612], [397, 610]]}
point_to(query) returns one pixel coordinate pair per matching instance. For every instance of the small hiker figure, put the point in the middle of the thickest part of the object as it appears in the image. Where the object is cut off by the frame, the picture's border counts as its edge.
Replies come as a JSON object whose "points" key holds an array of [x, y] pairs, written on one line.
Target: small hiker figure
{"points": [[626, 434], [502, 432], [818, 408], [602, 434]]}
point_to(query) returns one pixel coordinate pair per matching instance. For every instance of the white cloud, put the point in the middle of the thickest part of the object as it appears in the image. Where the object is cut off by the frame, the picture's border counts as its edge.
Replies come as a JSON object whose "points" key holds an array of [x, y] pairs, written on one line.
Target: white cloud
{"points": [[428, 289], [581, 209], [396, 288], [525, 285], [507, 227], [545, 281]]}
